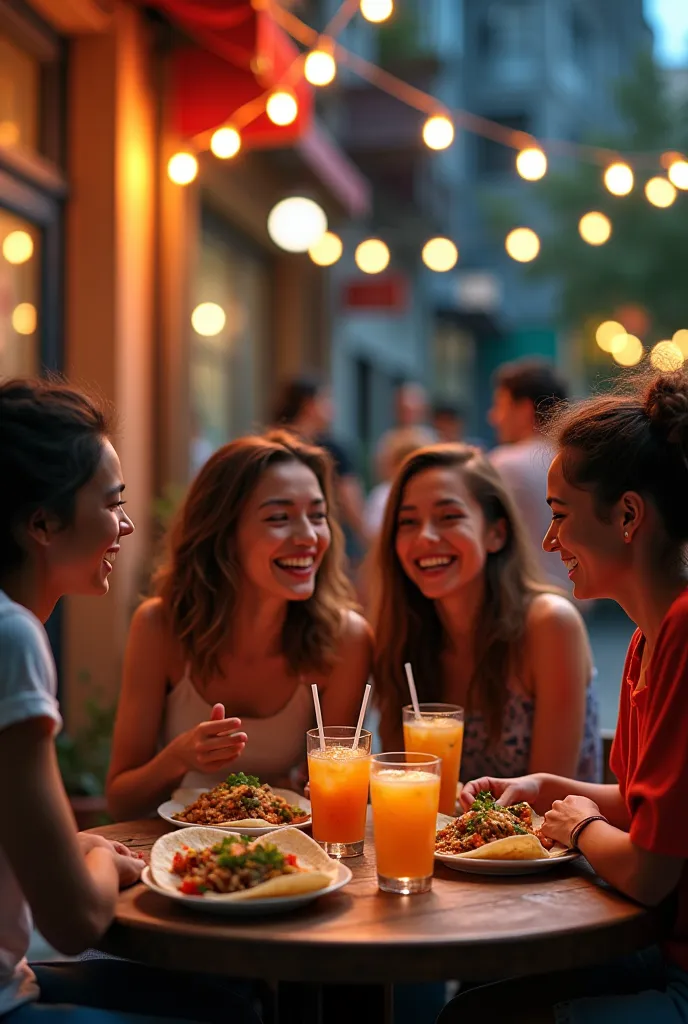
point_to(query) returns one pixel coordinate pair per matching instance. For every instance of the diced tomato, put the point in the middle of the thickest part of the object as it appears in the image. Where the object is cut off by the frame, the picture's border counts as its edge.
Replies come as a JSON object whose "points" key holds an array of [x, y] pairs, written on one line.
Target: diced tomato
{"points": [[290, 859], [191, 888]]}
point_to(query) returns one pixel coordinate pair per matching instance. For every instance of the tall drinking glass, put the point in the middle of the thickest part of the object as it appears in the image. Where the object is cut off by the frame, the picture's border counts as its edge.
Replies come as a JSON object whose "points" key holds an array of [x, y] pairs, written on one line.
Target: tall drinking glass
{"points": [[405, 793], [339, 778], [439, 731]]}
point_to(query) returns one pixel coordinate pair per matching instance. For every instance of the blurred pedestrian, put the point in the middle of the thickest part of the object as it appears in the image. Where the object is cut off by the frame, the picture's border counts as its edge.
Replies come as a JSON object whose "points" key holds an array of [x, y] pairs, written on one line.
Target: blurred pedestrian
{"points": [[525, 393], [448, 422]]}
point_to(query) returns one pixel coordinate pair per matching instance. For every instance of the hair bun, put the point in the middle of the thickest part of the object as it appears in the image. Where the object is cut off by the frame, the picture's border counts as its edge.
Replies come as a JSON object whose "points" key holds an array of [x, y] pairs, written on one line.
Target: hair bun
{"points": [[666, 406]]}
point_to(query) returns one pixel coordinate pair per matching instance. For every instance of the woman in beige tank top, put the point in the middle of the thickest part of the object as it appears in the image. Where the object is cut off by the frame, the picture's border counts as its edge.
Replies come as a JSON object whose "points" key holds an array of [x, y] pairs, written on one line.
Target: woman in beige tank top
{"points": [[253, 605]]}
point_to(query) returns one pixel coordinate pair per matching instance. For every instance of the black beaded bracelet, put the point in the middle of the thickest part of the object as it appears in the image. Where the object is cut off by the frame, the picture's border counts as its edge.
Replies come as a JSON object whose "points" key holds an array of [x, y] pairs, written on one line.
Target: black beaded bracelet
{"points": [[578, 829]]}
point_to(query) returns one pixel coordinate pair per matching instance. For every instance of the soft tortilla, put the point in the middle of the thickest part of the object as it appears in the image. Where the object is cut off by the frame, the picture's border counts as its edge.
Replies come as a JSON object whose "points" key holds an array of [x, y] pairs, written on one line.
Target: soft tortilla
{"points": [[289, 796], [512, 848], [320, 873]]}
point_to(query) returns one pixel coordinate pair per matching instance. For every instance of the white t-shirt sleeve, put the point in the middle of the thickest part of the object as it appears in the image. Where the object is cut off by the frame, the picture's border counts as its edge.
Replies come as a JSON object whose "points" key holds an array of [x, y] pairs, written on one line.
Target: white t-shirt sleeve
{"points": [[28, 681]]}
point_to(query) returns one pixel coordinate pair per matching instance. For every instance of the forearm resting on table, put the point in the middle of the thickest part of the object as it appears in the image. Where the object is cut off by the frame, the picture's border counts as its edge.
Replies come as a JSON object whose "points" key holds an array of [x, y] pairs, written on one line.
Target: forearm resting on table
{"points": [[645, 877], [136, 792], [607, 797]]}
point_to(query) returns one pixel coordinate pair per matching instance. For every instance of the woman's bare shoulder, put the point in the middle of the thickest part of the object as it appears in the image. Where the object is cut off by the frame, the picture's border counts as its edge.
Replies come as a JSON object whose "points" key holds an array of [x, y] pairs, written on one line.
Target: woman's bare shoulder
{"points": [[356, 629]]}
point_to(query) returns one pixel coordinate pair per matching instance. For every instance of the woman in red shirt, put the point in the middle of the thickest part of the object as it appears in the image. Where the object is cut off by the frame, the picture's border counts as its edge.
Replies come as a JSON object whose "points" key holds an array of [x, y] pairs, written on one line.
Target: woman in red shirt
{"points": [[618, 490]]}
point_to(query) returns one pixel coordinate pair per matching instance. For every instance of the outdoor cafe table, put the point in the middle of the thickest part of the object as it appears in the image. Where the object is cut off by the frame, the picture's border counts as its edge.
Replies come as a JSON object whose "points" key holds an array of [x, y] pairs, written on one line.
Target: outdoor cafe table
{"points": [[471, 927]]}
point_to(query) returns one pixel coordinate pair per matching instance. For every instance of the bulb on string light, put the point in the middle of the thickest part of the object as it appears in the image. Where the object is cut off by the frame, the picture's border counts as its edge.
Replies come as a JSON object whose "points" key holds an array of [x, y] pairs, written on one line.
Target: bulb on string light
{"points": [[440, 255], [376, 10], [618, 178], [320, 67], [438, 132], [17, 247], [182, 168], [678, 174], [631, 353], [680, 338], [225, 143], [327, 250], [660, 192], [296, 223], [611, 336], [522, 244], [372, 256], [666, 356], [595, 228], [531, 163], [282, 107]]}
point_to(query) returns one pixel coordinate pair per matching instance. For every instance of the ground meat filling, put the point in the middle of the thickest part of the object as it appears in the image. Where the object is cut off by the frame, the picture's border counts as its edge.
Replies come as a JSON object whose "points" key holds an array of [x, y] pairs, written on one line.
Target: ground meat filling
{"points": [[230, 866], [238, 798], [484, 823]]}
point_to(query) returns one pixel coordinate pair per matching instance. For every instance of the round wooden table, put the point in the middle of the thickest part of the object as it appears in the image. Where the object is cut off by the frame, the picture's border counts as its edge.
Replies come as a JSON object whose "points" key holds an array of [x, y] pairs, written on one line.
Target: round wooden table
{"points": [[471, 927]]}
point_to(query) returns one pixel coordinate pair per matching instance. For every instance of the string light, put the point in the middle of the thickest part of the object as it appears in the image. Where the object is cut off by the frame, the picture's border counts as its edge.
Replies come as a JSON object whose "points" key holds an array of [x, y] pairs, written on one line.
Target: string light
{"points": [[296, 223], [522, 244], [611, 336], [282, 107], [618, 179], [660, 192], [680, 339], [531, 163], [182, 168], [225, 143], [208, 319], [631, 353], [666, 356], [440, 255], [24, 318], [327, 250], [320, 67], [372, 256], [376, 10], [438, 132], [595, 228], [678, 174], [17, 247]]}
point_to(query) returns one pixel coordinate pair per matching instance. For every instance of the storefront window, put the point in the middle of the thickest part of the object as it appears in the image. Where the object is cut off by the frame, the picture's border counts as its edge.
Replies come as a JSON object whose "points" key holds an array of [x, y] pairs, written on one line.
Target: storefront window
{"points": [[19, 92], [228, 327], [19, 296]]}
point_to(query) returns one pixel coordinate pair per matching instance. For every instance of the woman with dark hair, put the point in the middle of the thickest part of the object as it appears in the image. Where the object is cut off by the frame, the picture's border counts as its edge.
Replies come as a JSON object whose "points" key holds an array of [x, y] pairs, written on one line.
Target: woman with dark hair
{"points": [[62, 521], [252, 605], [459, 598], [618, 490]]}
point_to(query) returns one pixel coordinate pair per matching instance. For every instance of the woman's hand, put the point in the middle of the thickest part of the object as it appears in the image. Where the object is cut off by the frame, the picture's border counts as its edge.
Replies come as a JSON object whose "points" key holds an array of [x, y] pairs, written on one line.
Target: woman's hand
{"points": [[565, 815], [128, 864], [210, 746], [505, 791]]}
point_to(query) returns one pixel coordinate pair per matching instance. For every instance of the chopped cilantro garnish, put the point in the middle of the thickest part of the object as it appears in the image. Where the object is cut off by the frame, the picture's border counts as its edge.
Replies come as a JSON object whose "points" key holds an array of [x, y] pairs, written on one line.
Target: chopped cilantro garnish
{"points": [[239, 779]]}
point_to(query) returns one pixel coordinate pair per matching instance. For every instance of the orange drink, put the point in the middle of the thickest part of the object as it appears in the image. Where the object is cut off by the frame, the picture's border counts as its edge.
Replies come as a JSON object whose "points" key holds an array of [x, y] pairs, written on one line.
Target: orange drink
{"points": [[405, 792], [338, 778], [438, 731]]}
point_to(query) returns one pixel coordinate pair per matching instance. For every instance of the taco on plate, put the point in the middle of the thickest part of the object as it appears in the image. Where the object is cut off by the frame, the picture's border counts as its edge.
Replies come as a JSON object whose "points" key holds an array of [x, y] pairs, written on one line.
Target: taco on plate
{"points": [[243, 801], [495, 833], [228, 866]]}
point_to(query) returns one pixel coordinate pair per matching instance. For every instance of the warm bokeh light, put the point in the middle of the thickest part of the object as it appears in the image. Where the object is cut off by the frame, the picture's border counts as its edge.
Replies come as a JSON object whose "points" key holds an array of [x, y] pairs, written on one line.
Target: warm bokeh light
{"points": [[225, 143], [182, 168], [17, 247], [372, 256], [296, 223], [327, 250], [208, 319], [440, 255], [282, 108], [522, 244], [618, 178], [666, 356], [681, 339], [660, 192], [9, 133], [24, 318], [320, 67], [438, 132], [595, 228], [631, 353], [376, 10], [678, 174], [531, 164], [611, 336]]}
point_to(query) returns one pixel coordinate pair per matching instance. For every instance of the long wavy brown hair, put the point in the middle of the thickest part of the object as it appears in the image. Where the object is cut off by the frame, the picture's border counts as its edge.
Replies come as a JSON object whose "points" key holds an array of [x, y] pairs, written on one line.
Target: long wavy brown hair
{"points": [[200, 582], [407, 626]]}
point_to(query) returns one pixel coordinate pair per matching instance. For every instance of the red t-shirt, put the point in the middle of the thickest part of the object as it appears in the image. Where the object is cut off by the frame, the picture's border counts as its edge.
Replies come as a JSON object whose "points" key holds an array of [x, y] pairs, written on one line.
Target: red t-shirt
{"points": [[650, 754]]}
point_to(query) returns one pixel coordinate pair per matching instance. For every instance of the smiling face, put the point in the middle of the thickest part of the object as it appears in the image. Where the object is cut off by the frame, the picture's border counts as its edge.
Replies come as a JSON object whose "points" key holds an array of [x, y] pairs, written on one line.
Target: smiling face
{"points": [[442, 536], [283, 533], [79, 558], [595, 552]]}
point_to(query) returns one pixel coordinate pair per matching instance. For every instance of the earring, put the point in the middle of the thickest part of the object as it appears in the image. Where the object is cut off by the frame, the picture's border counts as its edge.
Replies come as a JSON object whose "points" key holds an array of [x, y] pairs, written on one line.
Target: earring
{"points": [[626, 534]]}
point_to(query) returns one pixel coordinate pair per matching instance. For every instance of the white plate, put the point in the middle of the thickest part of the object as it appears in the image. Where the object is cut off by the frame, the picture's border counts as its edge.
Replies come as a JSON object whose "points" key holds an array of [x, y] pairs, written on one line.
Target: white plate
{"points": [[181, 798], [482, 866], [249, 908]]}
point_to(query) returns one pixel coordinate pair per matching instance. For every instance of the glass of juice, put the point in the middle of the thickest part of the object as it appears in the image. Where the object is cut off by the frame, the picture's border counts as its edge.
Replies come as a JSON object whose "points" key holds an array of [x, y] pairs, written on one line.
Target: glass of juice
{"points": [[339, 778], [438, 731], [405, 793]]}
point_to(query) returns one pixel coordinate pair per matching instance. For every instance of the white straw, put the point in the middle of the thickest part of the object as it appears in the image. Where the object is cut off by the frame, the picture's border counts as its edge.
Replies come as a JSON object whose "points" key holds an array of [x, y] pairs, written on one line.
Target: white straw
{"points": [[364, 705], [412, 689], [318, 715]]}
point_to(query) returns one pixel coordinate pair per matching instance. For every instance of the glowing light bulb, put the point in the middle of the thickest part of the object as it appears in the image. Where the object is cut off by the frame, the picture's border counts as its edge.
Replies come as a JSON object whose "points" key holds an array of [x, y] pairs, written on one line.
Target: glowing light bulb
{"points": [[618, 179], [678, 174], [376, 10], [282, 107], [440, 255], [631, 353], [372, 256], [660, 192], [666, 356], [17, 247], [327, 250], [296, 223], [531, 164], [24, 318], [681, 339], [208, 319], [225, 143], [320, 67], [522, 244], [438, 132], [182, 168], [611, 336], [595, 228]]}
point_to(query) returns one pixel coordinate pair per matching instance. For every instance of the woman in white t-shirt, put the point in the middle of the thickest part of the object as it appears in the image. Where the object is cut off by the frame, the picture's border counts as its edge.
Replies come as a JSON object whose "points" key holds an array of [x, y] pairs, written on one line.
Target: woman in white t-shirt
{"points": [[61, 525]]}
